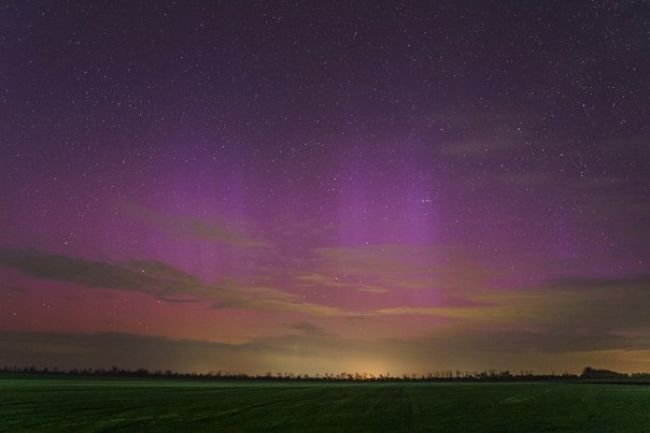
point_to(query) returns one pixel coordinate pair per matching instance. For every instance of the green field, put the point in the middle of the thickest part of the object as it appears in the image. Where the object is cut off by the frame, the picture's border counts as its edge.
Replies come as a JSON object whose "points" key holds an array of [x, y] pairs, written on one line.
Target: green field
{"points": [[152, 405]]}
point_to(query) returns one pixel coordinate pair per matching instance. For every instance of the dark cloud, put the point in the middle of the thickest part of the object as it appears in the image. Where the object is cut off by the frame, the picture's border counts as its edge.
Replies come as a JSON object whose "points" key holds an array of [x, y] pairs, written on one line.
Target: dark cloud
{"points": [[114, 349], [565, 314], [151, 277], [158, 279], [552, 340], [604, 304], [308, 328], [76, 350]]}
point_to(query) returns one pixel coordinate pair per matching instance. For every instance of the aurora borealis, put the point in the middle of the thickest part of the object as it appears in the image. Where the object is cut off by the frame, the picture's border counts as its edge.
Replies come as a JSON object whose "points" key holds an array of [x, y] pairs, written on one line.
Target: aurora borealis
{"points": [[325, 186]]}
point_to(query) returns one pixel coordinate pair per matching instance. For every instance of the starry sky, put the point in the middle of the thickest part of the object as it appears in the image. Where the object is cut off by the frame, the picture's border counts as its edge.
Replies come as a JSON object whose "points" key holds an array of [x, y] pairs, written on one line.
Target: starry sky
{"points": [[321, 187]]}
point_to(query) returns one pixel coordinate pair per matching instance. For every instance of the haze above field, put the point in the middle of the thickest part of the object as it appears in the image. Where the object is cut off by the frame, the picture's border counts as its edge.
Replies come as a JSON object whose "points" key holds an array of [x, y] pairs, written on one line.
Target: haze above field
{"points": [[273, 186]]}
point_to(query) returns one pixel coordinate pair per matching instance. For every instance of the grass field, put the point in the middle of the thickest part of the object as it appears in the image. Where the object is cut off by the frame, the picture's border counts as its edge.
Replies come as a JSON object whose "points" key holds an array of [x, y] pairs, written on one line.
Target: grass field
{"points": [[151, 405]]}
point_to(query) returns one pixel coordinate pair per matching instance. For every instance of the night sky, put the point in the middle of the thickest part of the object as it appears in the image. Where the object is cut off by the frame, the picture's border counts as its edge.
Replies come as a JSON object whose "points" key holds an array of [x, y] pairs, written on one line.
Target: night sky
{"points": [[325, 186]]}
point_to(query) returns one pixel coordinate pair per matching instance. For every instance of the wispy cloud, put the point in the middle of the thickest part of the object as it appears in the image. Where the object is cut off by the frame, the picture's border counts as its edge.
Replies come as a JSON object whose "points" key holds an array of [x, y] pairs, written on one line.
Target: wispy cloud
{"points": [[308, 328], [411, 267], [319, 280], [157, 279], [151, 277], [564, 315], [266, 298], [179, 225]]}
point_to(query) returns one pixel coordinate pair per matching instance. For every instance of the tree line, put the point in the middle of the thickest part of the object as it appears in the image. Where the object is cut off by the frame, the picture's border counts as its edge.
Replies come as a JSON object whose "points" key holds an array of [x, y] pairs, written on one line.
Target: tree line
{"points": [[588, 374]]}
